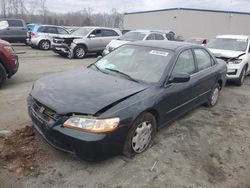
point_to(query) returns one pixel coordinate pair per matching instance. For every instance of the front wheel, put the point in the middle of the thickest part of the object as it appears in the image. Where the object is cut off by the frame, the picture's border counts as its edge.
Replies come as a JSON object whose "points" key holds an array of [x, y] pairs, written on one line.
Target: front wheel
{"points": [[214, 96], [141, 135], [79, 52], [3, 74], [241, 79]]}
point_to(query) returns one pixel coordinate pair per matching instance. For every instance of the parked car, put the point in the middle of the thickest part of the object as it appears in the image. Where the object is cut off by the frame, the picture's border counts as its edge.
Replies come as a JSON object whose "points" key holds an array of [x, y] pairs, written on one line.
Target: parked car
{"points": [[135, 35], [117, 104], [42, 35], [235, 50], [84, 40], [8, 61], [13, 30], [200, 41]]}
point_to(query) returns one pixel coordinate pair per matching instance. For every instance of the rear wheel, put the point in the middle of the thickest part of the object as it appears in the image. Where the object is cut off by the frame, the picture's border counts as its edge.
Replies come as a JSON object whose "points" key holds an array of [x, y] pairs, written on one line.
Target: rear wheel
{"points": [[141, 135], [241, 79], [3, 74], [80, 52], [44, 45], [214, 96]]}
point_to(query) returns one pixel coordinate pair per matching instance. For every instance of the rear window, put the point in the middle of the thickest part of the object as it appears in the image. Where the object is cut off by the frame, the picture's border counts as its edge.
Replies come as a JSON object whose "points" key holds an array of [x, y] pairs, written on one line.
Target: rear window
{"points": [[15, 23]]}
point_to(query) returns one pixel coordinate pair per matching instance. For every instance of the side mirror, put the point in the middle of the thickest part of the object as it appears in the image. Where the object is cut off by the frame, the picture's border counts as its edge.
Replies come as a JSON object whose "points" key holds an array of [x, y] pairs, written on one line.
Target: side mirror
{"points": [[92, 36], [179, 78], [98, 58]]}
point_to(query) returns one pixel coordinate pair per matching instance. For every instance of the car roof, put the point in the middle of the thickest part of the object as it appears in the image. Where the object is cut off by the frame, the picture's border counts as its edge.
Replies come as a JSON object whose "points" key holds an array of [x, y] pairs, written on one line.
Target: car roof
{"points": [[165, 44], [149, 31], [233, 36], [96, 27]]}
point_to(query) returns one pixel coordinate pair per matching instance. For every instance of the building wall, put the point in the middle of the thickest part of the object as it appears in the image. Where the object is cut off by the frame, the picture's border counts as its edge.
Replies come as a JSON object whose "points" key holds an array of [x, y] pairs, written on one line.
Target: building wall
{"points": [[190, 23]]}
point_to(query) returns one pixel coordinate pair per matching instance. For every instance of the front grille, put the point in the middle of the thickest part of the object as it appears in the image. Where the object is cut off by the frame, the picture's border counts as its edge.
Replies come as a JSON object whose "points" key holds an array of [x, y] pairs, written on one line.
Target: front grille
{"points": [[44, 113]]}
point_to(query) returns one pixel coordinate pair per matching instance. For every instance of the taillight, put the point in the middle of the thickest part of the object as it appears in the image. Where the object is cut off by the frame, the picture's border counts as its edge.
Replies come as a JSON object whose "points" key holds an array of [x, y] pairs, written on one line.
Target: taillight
{"points": [[32, 34]]}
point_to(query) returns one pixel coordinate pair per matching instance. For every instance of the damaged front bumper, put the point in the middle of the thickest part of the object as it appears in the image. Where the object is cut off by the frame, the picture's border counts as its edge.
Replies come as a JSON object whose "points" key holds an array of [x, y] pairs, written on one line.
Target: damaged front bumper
{"points": [[88, 146]]}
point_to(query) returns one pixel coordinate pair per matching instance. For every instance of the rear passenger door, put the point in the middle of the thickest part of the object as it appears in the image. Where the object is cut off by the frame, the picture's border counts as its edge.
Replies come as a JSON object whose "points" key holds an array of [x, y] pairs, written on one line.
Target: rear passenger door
{"points": [[107, 36], [51, 32], [206, 72]]}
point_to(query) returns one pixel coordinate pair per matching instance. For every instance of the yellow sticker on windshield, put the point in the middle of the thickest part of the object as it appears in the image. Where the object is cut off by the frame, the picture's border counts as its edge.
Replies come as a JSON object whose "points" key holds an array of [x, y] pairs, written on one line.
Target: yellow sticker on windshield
{"points": [[156, 52]]}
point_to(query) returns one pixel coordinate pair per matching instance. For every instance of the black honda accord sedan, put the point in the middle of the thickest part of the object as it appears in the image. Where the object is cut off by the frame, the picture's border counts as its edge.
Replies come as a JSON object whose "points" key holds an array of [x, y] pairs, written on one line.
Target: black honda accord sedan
{"points": [[117, 104]]}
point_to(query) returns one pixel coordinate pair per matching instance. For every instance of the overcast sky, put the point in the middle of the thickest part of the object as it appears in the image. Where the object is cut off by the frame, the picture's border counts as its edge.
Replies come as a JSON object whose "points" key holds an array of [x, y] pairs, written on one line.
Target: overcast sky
{"points": [[142, 5]]}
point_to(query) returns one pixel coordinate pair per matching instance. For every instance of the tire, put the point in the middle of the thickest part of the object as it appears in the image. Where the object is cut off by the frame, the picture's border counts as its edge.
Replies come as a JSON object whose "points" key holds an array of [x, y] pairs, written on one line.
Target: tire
{"points": [[3, 74], [44, 45], [240, 81], [214, 96], [80, 52], [146, 123]]}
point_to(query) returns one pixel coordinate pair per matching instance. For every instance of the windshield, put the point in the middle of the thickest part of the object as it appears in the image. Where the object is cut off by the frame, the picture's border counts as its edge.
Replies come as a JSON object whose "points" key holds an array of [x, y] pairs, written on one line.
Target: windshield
{"points": [[83, 31], [139, 63], [228, 44], [133, 36]]}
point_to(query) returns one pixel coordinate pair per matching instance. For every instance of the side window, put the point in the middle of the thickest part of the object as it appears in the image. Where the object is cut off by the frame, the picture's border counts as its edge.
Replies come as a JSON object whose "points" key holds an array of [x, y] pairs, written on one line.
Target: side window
{"points": [[249, 47], [203, 59], [108, 33], [151, 37], [61, 31], [185, 63], [41, 29], [97, 33], [159, 37], [52, 30], [15, 23]]}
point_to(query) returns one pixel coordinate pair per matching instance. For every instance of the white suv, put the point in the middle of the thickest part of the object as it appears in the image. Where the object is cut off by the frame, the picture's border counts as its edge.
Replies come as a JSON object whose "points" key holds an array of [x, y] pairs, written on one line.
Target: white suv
{"points": [[136, 35], [42, 35], [234, 49]]}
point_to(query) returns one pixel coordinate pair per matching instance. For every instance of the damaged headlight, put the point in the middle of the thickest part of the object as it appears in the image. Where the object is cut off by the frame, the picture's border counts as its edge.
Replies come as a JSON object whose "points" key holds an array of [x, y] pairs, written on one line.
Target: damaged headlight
{"points": [[91, 124], [236, 61], [10, 49]]}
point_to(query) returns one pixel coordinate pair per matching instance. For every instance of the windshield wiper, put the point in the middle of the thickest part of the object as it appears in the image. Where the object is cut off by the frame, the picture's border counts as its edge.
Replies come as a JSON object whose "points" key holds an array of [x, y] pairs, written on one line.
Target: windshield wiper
{"points": [[124, 74], [93, 64]]}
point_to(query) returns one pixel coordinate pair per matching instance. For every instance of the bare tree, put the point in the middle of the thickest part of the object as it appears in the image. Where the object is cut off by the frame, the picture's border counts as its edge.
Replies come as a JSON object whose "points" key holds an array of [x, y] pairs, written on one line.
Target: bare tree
{"points": [[3, 7]]}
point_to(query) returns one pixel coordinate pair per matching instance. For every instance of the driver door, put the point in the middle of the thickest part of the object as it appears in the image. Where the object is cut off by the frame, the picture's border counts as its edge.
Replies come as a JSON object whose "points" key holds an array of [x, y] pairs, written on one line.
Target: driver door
{"points": [[177, 98]]}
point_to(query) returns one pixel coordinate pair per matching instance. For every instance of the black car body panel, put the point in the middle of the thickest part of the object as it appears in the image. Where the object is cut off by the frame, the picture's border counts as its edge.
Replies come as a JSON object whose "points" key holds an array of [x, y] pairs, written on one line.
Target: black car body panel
{"points": [[93, 93]]}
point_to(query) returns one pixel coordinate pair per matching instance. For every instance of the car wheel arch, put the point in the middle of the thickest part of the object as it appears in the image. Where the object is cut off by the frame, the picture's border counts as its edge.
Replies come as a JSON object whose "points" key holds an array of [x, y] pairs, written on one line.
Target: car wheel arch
{"points": [[152, 111], [83, 45]]}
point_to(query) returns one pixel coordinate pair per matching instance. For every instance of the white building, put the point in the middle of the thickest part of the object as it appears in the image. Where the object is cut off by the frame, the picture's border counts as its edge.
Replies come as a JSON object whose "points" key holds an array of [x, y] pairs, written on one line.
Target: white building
{"points": [[190, 22]]}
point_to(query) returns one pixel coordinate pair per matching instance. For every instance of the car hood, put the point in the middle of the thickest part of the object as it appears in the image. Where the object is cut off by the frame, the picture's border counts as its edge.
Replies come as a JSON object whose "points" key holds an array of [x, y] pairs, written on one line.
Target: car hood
{"points": [[117, 43], [85, 91], [225, 53], [68, 37]]}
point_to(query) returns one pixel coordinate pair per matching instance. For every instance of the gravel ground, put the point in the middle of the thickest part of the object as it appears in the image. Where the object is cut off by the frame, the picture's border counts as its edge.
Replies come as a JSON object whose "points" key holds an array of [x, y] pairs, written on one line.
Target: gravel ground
{"points": [[205, 148]]}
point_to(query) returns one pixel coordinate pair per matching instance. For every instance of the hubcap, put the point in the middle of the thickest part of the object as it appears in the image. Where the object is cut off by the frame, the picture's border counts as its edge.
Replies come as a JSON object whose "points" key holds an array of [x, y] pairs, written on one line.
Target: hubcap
{"points": [[215, 96], [142, 137], [45, 45], [80, 52]]}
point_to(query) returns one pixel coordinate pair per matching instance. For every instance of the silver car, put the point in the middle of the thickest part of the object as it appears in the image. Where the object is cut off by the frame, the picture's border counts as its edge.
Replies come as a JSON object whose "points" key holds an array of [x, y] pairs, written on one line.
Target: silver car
{"points": [[136, 35], [84, 40], [42, 35]]}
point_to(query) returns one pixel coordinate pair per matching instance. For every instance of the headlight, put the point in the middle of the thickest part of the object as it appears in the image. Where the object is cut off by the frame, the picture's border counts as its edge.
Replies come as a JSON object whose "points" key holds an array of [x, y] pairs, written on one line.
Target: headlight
{"points": [[10, 49], [92, 125], [236, 61]]}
